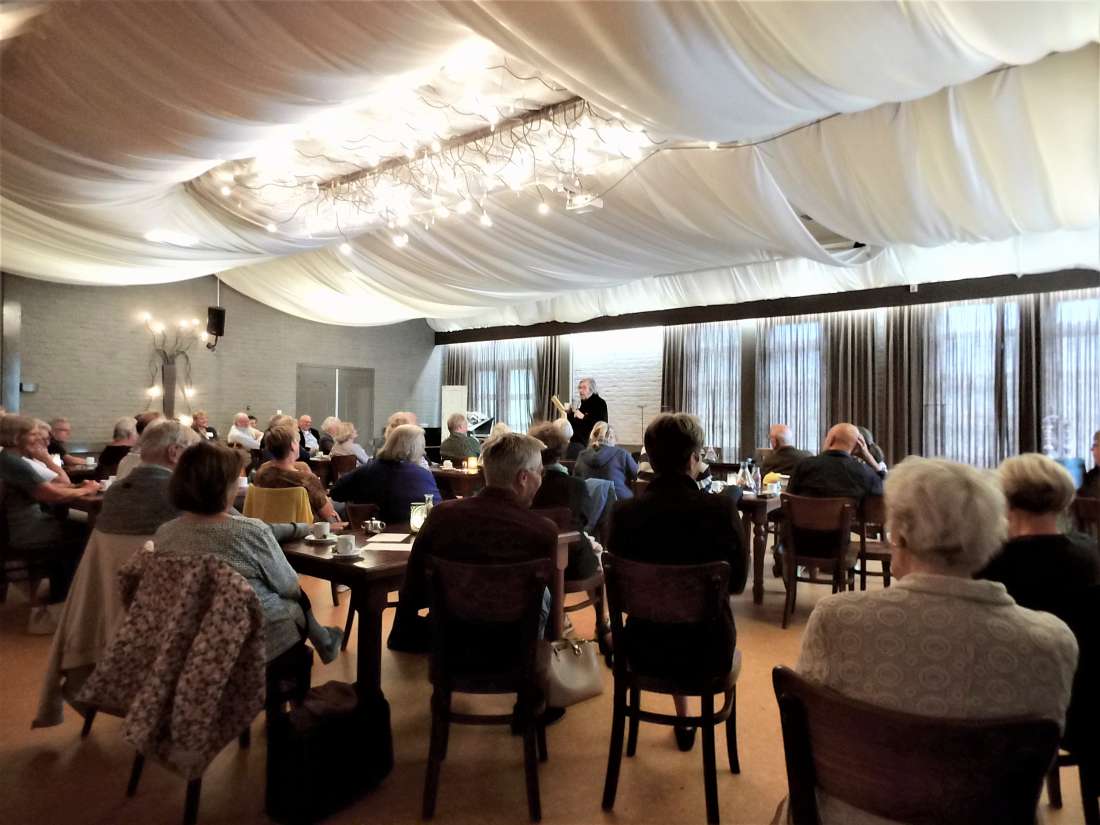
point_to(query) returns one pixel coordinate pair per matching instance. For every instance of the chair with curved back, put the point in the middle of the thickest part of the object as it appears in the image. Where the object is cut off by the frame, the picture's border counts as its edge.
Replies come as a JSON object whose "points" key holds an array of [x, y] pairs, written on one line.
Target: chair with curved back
{"points": [[872, 517], [817, 533], [1086, 512], [667, 594], [504, 599], [340, 465], [906, 767]]}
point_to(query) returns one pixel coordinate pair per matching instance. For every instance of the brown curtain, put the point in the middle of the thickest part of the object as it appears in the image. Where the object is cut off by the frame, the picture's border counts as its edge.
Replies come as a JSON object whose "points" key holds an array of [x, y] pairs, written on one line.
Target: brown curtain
{"points": [[901, 431], [852, 359], [1030, 409], [673, 370], [547, 355]]}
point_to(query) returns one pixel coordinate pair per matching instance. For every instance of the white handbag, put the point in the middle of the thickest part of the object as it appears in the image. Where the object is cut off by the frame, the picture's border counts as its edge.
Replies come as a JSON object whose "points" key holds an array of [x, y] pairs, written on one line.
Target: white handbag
{"points": [[574, 673]]}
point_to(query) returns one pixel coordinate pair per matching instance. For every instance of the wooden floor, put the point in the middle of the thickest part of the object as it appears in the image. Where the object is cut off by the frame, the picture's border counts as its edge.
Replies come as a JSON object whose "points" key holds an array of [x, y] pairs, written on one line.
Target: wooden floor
{"points": [[52, 776]]}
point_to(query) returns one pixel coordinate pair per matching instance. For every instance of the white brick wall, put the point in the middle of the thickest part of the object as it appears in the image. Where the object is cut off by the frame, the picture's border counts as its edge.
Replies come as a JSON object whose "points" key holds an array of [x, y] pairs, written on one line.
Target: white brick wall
{"points": [[626, 365], [89, 353]]}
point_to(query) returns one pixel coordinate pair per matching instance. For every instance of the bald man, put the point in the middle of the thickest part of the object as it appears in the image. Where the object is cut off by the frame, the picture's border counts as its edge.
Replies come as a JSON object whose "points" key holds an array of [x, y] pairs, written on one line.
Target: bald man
{"points": [[844, 468], [784, 456]]}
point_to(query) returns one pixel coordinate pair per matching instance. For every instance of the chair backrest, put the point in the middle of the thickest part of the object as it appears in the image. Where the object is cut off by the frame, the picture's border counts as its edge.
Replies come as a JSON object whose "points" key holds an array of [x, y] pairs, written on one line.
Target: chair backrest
{"points": [[1086, 512], [341, 464], [640, 484], [358, 513], [278, 504], [914, 769], [817, 527], [561, 516], [873, 510], [462, 595], [665, 593]]}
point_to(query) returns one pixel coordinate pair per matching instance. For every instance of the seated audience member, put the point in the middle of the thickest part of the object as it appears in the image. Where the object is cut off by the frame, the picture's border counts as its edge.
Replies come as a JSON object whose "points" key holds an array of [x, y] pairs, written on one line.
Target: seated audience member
{"points": [[674, 522], [344, 443], [256, 431], [132, 459], [394, 480], [124, 438], [1039, 566], [241, 435], [561, 490], [605, 459], [202, 488], [496, 526], [34, 530], [1090, 488], [49, 467], [873, 449], [282, 421], [60, 433], [327, 438], [459, 445], [284, 470], [398, 419], [937, 642], [784, 456], [140, 503], [200, 423], [310, 437], [844, 468]]}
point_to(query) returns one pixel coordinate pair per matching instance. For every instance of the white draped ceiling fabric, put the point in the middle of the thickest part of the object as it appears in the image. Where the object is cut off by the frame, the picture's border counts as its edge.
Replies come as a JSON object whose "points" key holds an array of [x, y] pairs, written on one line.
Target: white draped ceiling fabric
{"points": [[954, 139]]}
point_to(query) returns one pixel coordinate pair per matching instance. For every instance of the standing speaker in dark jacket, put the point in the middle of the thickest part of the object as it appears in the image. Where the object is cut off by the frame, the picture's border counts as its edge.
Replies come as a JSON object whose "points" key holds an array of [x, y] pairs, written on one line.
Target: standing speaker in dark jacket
{"points": [[584, 417], [674, 522]]}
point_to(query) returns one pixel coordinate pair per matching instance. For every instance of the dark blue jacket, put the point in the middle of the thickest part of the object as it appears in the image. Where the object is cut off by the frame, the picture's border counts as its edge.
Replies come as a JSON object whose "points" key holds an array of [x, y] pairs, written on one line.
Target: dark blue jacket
{"points": [[392, 485], [612, 463]]}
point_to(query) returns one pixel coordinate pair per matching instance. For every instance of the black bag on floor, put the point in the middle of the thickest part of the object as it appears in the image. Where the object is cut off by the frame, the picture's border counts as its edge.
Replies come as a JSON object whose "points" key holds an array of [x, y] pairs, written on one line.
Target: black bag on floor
{"points": [[324, 755]]}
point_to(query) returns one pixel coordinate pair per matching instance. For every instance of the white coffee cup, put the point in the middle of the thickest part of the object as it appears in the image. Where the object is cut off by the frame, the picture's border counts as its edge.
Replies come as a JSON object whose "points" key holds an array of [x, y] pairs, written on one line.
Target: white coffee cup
{"points": [[448, 464], [345, 545], [89, 461], [320, 530]]}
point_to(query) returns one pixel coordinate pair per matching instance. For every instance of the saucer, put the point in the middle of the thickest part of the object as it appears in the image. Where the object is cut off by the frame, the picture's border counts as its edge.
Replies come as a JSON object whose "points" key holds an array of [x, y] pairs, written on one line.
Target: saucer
{"points": [[330, 539], [358, 554]]}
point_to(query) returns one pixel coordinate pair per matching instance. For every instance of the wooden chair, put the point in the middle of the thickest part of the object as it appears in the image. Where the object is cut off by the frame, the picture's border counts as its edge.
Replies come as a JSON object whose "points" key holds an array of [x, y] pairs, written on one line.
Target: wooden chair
{"points": [[871, 521], [1086, 512], [487, 597], [905, 767], [639, 485], [817, 533], [339, 465], [1081, 739], [668, 594]]}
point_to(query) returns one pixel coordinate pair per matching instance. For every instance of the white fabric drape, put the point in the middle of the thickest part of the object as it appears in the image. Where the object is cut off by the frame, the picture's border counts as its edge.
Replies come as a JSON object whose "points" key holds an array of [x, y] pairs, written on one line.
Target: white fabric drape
{"points": [[108, 109]]}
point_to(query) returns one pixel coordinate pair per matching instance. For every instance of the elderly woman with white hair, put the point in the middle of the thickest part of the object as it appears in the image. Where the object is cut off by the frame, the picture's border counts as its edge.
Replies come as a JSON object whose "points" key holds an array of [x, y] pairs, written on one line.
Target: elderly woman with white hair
{"points": [[939, 642], [605, 459], [329, 428], [394, 480], [344, 443], [1041, 567]]}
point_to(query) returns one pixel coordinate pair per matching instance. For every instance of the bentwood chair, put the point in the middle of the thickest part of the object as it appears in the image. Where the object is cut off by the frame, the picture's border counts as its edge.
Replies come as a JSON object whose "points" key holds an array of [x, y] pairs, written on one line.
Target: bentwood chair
{"points": [[1081, 739], [340, 465], [817, 534], [905, 767], [1086, 512], [666, 594], [872, 517], [485, 629]]}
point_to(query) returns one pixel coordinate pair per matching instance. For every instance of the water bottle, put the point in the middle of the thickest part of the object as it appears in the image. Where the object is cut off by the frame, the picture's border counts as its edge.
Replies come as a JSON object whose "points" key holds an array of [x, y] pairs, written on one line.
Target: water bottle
{"points": [[429, 503], [756, 481]]}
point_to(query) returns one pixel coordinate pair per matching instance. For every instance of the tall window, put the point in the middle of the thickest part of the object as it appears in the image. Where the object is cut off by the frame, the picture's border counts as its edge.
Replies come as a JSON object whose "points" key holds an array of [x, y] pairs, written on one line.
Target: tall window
{"points": [[712, 382], [1070, 344], [500, 377], [971, 381], [789, 387]]}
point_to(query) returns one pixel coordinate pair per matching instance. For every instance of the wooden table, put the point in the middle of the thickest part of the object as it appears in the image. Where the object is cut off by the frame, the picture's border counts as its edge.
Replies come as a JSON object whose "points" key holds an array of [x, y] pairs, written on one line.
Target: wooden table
{"points": [[79, 474], [379, 572], [754, 521], [458, 483]]}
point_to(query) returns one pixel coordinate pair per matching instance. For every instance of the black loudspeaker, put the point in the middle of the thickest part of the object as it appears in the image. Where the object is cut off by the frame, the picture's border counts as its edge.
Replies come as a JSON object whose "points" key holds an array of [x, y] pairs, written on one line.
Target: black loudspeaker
{"points": [[215, 321]]}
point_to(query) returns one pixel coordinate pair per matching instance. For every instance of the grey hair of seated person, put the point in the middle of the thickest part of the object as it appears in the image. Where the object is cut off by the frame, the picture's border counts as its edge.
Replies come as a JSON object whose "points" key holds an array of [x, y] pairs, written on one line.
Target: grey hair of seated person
{"points": [[1036, 484], [14, 427], [241, 420], [504, 455], [330, 425], [946, 514], [404, 443], [159, 436], [125, 427], [456, 420], [398, 419]]}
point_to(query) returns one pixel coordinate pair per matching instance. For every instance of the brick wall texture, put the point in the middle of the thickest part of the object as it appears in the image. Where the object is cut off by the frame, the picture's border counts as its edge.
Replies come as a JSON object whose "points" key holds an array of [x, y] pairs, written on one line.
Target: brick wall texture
{"points": [[89, 353], [626, 365]]}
